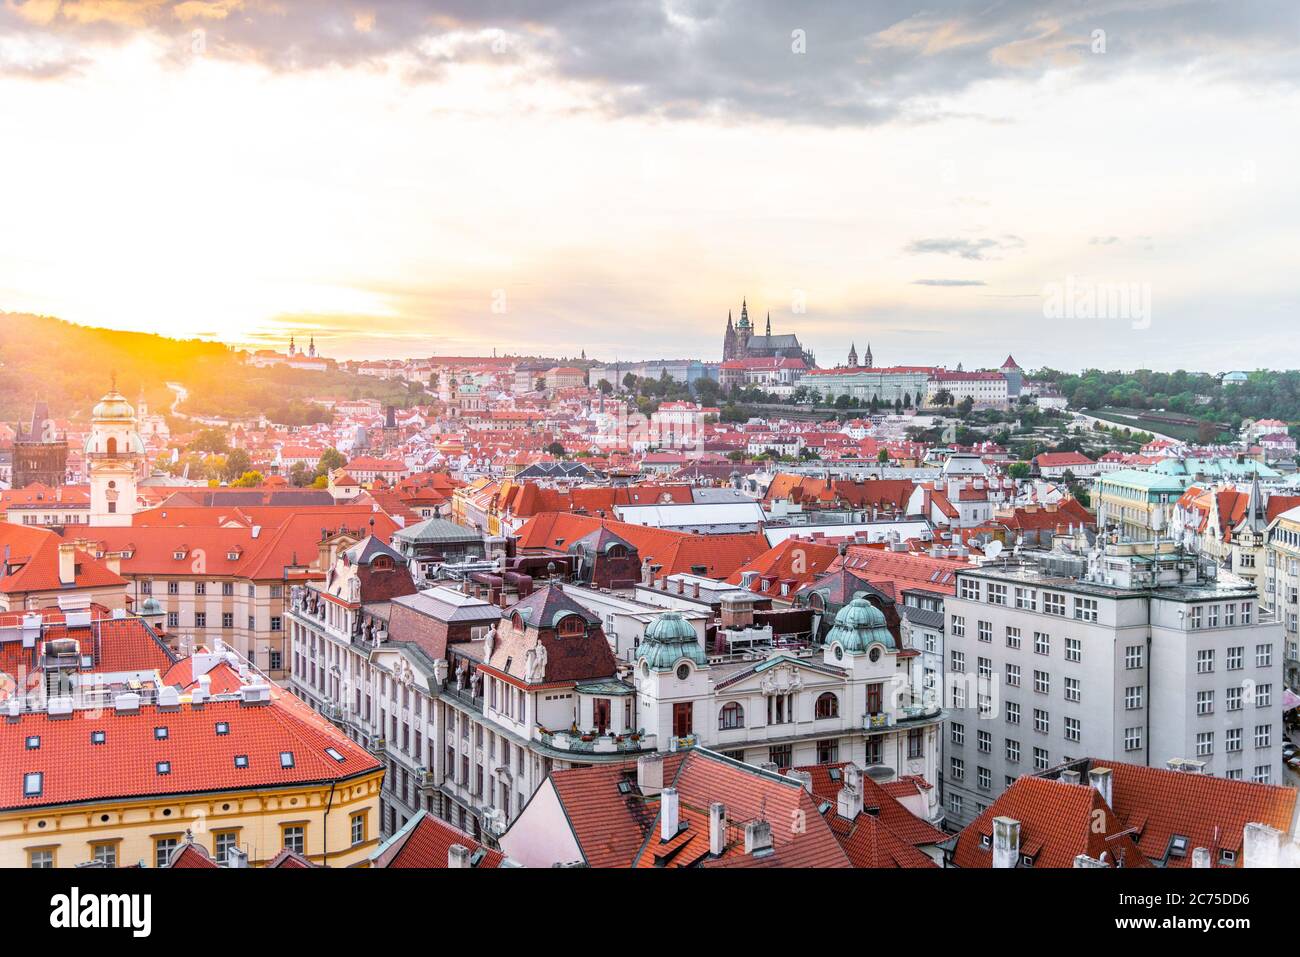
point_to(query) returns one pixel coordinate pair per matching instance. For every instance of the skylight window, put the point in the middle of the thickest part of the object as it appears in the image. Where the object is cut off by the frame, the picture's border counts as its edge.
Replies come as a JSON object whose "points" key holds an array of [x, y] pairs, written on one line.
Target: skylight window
{"points": [[332, 753], [163, 767], [33, 742], [33, 784], [98, 737], [160, 733], [223, 727], [241, 760], [286, 759]]}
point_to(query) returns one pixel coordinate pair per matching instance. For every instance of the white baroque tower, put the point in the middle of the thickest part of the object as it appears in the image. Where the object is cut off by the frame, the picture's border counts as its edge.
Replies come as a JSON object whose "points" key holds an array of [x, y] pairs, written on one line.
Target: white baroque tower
{"points": [[114, 455]]}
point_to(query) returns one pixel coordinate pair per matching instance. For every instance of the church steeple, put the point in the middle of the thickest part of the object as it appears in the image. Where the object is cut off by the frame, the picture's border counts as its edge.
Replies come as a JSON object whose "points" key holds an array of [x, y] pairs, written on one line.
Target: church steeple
{"points": [[868, 357], [769, 325], [853, 354], [744, 314]]}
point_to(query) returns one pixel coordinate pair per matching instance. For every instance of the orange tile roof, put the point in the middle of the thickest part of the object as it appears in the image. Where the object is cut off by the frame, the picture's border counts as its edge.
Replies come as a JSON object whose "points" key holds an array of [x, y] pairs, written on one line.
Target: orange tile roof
{"points": [[901, 822], [676, 552], [33, 563], [75, 769], [425, 841], [1058, 822]]}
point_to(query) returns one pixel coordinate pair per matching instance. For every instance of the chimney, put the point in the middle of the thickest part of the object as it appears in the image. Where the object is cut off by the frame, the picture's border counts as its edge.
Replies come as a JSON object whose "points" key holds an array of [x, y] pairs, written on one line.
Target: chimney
{"points": [[1101, 778], [650, 774], [717, 828], [669, 814], [67, 563], [803, 777], [848, 803], [758, 837], [1261, 846], [1083, 860], [1071, 777], [457, 856], [1006, 842], [236, 857], [1201, 857]]}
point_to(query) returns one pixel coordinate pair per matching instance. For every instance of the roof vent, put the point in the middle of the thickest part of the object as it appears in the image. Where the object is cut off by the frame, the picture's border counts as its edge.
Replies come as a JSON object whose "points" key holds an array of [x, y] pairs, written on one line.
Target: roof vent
{"points": [[60, 707], [255, 694], [127, 703], [758, 838], [169, 697]]}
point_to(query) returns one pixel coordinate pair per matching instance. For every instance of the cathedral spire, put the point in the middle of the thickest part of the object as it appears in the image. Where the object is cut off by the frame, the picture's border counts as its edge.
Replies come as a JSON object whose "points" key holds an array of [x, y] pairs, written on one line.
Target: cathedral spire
{"points": [[868, 356], [853, 354], [769, 324]]}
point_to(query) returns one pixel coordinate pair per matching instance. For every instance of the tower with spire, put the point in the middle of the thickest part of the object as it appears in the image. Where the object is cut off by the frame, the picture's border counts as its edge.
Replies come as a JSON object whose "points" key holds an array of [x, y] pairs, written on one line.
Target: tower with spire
{"points": [[741, 341], [853, 355], [870, 363]]}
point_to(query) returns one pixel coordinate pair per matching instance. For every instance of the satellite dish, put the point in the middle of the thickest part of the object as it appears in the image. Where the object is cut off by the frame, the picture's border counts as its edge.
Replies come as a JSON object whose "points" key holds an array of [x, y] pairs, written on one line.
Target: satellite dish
{"points": [[993, 550]]}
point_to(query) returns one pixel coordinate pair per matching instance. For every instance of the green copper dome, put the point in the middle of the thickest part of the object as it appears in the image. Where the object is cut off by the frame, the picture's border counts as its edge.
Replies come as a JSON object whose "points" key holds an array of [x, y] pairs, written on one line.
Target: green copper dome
{"points": [[859, 625], [669, 639]]}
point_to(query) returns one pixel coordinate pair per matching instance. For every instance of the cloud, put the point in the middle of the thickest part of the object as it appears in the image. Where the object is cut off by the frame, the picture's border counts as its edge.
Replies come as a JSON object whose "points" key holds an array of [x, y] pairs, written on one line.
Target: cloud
{"points": [[833, 62], [974, 249], [949, 282]]}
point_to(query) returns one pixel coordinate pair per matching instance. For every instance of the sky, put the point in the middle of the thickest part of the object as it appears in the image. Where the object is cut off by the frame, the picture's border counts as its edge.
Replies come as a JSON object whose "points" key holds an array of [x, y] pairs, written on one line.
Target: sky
{"points": [[1110, 184]]}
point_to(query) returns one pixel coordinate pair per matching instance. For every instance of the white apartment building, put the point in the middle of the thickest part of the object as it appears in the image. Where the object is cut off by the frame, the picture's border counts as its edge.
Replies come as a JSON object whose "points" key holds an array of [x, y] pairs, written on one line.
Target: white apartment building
{"points": [[1135, 654], [1280, 585]]}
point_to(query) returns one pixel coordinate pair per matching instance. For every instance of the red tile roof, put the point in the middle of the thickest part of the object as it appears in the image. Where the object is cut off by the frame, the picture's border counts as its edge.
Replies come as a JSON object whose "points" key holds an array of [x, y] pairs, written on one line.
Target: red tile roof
{"points": [[425, 841], [1058, 822], [33, 563], [75, 769], [914, 831]]}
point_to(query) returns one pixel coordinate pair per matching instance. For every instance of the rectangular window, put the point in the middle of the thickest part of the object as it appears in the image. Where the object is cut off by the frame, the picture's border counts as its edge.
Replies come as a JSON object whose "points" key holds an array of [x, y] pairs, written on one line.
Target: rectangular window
{"points": [[1234, 657], [959, 661], [957, 732], [1263, 735], [1204, 744], [1073, 729], [1085, 609], [1205, 661], [358, 829], [1013, 676], [1205, 702], [1042, 682], [997, 594], [162, 850], [41, 859], [1041, 762], [1013, 637], [985, 740], [1132, 739], [1073, 690], [105, 853], [1232, 740], [294, 838], [1263, 656], [957, 768], [1053, 603], [1013, 712], [1133, 656], [1013, 750], [1042, 721], [1042, 643], [223, 842], [984, 631], [1073, 649], [1133, 698], [958, 626]]}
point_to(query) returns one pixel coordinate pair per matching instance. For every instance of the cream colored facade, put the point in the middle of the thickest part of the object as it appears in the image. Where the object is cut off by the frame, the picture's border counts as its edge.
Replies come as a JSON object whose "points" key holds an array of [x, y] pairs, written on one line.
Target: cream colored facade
{"points": [[144, 830]]}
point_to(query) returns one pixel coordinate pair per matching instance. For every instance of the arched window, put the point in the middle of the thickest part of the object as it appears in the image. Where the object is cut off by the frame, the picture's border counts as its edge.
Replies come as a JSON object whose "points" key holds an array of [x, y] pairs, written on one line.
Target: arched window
{"points": [[828, 706], [572, 625], [731, 715], [111, 447]]}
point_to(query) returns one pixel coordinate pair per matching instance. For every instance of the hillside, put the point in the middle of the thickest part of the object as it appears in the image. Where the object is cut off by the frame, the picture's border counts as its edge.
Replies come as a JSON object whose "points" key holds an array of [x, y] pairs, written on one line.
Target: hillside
{"points": [[70, 366]]}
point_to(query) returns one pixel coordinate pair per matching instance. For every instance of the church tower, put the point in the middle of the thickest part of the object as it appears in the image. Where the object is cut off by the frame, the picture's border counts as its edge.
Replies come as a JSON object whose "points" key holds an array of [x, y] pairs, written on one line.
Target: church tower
{"points": [[853, 355], [769, 326], [729, 340], [114, 455], [869, 362], [743, 331]]}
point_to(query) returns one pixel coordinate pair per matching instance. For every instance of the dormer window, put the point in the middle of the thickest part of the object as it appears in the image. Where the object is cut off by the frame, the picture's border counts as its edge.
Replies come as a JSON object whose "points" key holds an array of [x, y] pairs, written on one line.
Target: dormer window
{"points": [[232, 556], [179, 554]]}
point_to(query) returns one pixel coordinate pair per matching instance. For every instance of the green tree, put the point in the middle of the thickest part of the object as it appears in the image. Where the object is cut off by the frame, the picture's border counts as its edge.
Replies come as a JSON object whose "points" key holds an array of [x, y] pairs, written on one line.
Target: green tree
{"points": [[237, 463], [248, 480], [210, 440]]}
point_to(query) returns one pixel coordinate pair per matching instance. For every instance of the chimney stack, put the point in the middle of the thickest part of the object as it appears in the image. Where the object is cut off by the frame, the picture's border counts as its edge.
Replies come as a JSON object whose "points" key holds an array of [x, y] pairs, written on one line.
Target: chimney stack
{"points": [[717, 828], [849, 803], [1261, 846], [1200, 857], [1006, 842], [669, 814], [650, 774], [457, 856], [1071, 777], [67, 563], [758, 837], [1101, 779]]}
